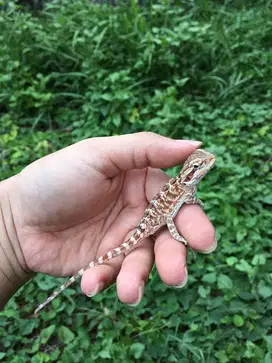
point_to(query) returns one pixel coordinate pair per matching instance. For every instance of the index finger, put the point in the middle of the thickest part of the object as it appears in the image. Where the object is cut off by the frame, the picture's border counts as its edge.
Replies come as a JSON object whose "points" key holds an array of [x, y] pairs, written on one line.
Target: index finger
{"points": [[137, 151]]}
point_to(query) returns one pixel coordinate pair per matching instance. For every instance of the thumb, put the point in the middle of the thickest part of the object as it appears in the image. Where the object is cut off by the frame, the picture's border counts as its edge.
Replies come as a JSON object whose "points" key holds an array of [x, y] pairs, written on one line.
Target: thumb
{"points": [[139, 150]]}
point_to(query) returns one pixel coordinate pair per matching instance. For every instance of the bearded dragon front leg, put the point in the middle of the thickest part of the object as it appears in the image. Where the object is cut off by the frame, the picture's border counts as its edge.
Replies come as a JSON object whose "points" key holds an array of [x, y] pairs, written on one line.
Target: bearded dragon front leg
{"points": [[193, 200], [173, 231], [175, 234]]}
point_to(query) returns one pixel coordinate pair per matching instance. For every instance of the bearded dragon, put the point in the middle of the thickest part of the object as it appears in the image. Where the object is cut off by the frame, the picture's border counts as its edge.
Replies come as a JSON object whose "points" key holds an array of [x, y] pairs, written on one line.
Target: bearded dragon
{"points": [[161, 211]]}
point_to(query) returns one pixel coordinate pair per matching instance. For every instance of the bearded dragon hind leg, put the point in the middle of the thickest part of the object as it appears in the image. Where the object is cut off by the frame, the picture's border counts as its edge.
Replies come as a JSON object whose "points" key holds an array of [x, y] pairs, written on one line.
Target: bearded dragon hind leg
{"points": [[175, 234]]}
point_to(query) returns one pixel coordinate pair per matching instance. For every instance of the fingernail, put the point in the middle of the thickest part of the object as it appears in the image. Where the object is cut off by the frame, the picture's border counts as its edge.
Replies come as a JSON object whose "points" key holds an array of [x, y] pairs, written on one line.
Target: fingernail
{"points": [[184, 282], [189, 142], [96, 290], [212, 248], [140, 295]]}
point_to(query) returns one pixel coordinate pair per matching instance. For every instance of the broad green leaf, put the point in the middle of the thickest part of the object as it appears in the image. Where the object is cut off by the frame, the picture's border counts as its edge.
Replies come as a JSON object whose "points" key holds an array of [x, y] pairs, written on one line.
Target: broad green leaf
{"points": [[27, 326], [268, 358], [224, 282], [231, 260], [210, 278], [265, 290], [259, 259], [268, 339], [222, 357], [244, 266], [40, 357], [241, 235], [238, 321], [46, 333], [105, 353], [137, 350], [66, 335], [204, 292], [46, 284]]}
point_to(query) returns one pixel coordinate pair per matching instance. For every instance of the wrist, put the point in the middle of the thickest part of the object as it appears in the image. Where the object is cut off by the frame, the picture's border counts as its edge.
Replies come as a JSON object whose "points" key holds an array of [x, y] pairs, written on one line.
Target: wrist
{"points": [[12, 273]]}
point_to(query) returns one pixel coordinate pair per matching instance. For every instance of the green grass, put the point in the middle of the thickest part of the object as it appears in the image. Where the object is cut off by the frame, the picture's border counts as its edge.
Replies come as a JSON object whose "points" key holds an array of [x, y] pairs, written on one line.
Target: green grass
{"points": [[199, 71]]}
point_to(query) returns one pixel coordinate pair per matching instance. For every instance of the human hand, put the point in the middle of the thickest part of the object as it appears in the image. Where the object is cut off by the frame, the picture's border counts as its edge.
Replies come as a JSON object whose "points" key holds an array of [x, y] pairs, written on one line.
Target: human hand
{"points": [[78, 203]]}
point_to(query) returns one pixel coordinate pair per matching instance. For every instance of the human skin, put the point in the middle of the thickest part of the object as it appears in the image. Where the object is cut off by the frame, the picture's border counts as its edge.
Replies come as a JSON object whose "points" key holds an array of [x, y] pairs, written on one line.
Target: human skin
{"points": [[71, 206]]}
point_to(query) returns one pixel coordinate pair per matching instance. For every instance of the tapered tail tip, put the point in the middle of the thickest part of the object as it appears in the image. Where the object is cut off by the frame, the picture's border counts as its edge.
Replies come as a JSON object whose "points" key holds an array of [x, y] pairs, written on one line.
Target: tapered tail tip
{"points": [[38, 309]]}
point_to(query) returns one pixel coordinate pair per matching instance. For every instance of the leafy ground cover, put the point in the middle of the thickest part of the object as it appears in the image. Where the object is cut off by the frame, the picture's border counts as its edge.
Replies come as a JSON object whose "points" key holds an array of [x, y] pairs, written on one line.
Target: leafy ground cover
{"points": [[199, 70]]}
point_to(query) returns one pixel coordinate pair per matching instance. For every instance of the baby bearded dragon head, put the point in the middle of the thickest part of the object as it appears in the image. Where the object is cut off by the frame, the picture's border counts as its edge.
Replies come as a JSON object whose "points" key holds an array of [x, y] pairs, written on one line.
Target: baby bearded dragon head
{"points": [[196, 167]]}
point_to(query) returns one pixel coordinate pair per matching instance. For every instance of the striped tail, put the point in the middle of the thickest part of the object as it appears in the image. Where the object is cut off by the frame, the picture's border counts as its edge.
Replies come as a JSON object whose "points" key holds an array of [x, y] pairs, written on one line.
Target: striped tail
{"points": [[127, 245]]}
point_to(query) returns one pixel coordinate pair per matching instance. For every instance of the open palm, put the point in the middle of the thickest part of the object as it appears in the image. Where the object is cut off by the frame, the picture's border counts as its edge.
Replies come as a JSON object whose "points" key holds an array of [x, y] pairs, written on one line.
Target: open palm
{"points": [[80, 202]]}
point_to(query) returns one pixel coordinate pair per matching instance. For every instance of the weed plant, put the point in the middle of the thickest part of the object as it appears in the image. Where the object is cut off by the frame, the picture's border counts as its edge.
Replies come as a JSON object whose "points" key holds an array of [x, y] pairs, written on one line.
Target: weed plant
{"points": [[188, 69]]}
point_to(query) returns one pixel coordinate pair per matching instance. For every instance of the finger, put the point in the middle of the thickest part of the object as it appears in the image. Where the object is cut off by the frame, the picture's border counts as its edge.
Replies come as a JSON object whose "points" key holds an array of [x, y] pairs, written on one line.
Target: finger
{"points": [[155, 180], [170, 257], [131, 275], [134, 273], [137, 151], [193, 224], [96, 279], [100, 277]]}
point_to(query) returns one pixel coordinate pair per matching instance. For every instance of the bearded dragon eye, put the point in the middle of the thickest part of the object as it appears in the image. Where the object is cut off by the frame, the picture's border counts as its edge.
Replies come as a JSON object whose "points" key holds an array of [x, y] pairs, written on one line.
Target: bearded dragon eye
{"points": [[195, 166]]}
